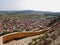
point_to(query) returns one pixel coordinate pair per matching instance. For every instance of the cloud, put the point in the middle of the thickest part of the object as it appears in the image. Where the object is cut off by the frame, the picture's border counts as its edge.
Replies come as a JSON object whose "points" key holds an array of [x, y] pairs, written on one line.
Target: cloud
{"points": [[45, 5]]}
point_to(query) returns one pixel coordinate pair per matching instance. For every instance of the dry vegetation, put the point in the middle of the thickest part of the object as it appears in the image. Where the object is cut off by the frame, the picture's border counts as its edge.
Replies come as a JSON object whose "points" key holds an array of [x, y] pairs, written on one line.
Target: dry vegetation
{"points": [[19, 35]]}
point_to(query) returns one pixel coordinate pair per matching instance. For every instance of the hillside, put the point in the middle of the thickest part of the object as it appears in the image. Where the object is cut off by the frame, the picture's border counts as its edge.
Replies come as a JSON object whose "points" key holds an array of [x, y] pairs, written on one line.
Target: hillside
{"points": [[51, 37]]}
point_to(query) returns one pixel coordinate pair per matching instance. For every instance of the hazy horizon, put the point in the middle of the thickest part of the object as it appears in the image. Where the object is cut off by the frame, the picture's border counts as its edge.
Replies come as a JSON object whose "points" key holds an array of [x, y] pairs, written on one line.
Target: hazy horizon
{"points": [[37, 5]]}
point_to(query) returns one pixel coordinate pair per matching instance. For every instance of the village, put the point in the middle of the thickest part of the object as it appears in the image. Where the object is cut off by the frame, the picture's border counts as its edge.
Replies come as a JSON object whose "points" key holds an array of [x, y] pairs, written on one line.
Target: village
{"points": [[14, 24]]}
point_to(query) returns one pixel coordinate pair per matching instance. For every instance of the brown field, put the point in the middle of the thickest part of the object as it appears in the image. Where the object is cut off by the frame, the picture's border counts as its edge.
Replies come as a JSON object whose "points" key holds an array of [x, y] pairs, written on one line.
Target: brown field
{"points": [[17, 35]]}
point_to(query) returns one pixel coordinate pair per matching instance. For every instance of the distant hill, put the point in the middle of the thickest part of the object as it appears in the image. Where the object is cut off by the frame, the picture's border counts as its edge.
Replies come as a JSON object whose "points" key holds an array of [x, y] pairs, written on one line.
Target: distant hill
{"points": [[32, 12]]}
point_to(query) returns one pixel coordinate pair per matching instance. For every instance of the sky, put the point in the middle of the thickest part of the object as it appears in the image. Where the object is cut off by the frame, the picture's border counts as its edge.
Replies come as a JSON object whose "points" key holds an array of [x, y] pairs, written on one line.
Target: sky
{"points": [[38, 5]]}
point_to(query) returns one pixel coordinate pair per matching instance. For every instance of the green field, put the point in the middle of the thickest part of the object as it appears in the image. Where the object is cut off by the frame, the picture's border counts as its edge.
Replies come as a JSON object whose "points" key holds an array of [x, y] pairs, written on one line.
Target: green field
{"points": [[19, 15]]}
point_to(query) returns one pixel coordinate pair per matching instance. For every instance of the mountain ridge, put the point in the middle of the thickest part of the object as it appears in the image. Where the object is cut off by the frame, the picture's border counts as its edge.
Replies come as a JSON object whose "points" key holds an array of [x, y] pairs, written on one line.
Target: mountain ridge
{"points": [[32, 12]]}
